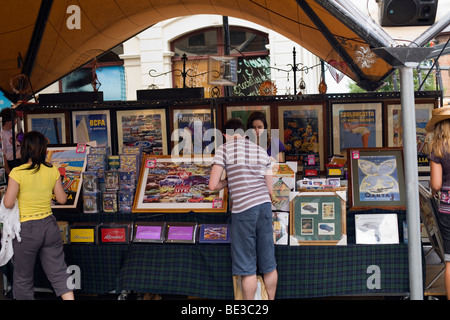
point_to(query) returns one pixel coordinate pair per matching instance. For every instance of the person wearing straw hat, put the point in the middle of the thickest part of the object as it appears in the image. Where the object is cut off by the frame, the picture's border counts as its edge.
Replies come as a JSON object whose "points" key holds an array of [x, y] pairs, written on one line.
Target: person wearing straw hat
{"points": [[439, 126]]}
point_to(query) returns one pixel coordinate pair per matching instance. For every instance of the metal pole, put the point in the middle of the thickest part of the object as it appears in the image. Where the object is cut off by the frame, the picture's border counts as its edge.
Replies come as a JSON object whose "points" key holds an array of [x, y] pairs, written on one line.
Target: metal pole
{"points": [[227, 51], [411, 180]]}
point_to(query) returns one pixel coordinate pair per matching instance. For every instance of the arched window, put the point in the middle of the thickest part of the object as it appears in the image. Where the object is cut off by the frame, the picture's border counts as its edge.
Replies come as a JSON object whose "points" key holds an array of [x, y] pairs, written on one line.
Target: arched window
{"points": [[247, 45]]}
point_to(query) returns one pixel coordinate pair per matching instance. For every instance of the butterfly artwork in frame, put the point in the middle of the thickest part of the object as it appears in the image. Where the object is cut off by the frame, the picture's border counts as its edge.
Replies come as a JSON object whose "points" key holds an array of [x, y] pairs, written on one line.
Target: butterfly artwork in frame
{"points": [[376, 179]]}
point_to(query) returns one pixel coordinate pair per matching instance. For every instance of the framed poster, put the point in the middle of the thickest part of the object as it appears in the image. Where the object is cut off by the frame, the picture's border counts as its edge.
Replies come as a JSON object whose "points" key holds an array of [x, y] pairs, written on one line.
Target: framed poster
{"points": [[144, 128], [356, 125], [243, 112], [193, 131], [395, 131], [318, 218], [53, 125], [301, 131], [90, 126], [71, 163], [176, 184], [376, 179]]}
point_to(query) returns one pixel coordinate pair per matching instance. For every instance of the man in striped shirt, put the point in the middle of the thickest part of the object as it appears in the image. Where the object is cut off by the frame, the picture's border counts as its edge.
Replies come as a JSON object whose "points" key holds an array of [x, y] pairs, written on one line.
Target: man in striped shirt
{"points": [[249, 180]]}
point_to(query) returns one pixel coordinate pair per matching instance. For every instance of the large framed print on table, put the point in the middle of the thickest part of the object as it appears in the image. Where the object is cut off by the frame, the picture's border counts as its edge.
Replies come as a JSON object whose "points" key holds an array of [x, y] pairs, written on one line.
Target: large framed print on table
{"points": [[301, 131], [53, 125], [356, 125], [71, 163], [89, 126], [395, 131], [177, 184], [376, 179], [319, 218], [193, 131], [243, 112], [144, 128]]}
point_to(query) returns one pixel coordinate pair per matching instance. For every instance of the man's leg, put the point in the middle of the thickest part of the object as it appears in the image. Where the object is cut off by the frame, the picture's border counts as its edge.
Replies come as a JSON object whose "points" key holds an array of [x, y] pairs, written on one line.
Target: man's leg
{"points": [[270, 281], [249, 285], [266, 251]]}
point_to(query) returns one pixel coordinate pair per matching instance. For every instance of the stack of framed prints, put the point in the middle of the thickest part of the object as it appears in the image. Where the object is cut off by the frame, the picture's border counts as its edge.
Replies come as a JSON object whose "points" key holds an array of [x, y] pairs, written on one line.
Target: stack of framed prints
{"points": [[284, 175], [376, 179], [177, 184], [428, 211], [283, 183], [318, 218]]}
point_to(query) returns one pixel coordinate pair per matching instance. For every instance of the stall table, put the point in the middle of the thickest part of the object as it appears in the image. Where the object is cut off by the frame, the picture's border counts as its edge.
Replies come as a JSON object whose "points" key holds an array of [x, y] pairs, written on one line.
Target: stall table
{"points": [[204, 270]]}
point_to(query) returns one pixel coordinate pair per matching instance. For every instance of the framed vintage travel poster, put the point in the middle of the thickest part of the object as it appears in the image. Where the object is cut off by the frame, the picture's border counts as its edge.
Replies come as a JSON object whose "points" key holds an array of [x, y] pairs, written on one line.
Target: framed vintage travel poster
{"points": [[89, 126], [193, 131], [395, 131], [71, 162], [177, 184], [53, 125], [356, 125], [143, 128], [301, 131], [376, 179]]}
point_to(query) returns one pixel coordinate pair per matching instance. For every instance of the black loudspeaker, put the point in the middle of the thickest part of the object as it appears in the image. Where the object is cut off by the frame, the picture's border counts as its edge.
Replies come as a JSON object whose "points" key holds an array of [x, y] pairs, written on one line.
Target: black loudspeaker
{"points": [[407, 12]]}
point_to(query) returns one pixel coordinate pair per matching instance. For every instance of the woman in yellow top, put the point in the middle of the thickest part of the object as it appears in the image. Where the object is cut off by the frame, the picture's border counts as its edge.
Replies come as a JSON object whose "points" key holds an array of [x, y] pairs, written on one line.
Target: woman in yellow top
{"points": [[33, 184]]}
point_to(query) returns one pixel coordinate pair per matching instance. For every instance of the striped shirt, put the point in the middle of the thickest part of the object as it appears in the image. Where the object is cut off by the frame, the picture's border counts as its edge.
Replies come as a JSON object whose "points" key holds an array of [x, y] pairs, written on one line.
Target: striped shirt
{"points": [[246, 165]]}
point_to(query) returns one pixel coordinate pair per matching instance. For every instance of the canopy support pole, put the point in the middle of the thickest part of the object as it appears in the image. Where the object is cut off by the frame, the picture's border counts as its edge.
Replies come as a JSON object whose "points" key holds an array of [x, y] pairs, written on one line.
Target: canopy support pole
{"points": [[411, 181]]}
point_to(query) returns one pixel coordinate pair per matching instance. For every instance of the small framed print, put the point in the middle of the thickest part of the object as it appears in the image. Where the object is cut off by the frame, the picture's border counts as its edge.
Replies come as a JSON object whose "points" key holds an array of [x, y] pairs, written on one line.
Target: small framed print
{"points": [[114, 233], [53, 125], [145, 232], [376, 179], [318, 218], [181, 232], [376, 228], [83, 234], [214, 233]]}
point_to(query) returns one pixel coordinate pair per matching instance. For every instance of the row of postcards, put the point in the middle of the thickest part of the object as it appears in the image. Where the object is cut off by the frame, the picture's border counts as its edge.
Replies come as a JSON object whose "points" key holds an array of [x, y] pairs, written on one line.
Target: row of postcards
{"points": [[143, 232]]}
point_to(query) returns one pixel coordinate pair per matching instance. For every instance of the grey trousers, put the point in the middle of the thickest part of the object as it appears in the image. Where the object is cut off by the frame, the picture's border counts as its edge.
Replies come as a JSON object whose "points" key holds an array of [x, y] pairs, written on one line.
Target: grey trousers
{"points": [[39, 237]]}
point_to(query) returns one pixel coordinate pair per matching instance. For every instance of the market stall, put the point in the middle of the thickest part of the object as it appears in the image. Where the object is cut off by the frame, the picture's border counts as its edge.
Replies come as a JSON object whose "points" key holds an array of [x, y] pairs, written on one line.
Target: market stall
{"points": [[326, 259]]}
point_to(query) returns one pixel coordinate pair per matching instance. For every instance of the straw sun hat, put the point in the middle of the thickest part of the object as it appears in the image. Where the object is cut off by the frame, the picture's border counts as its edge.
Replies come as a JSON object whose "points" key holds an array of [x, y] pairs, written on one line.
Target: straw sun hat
{"points": [[437, 115]]}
